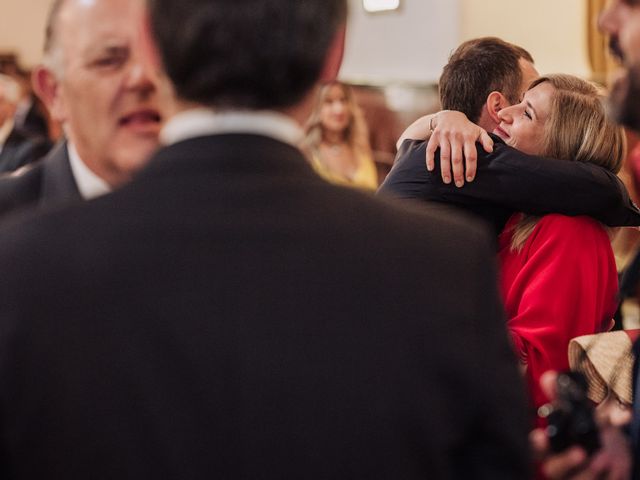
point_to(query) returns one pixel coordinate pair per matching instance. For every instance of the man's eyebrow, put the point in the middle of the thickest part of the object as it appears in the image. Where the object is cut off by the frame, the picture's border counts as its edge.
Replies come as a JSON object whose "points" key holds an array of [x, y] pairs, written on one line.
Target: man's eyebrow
{"points": [[115, 49], [111, 48]]}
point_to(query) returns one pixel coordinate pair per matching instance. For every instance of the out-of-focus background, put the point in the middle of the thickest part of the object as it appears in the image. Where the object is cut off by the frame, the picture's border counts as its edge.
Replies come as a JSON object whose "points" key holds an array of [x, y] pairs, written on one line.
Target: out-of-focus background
{"points": [[394, 57]]}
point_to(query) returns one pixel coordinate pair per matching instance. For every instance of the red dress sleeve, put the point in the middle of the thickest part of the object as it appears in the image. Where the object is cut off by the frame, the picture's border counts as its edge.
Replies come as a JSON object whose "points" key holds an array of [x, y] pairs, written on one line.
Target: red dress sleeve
{"points": [[561, 285]]}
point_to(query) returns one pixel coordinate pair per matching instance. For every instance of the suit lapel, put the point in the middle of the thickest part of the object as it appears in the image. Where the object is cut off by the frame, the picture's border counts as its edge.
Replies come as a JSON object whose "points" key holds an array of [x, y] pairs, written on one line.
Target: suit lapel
{"points": [[9, 149], [58, 184]]}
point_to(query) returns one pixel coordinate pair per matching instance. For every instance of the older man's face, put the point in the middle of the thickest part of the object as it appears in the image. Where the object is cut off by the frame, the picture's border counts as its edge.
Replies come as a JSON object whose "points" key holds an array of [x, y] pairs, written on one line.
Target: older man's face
{"points": [[621, 21], [106, 95]]}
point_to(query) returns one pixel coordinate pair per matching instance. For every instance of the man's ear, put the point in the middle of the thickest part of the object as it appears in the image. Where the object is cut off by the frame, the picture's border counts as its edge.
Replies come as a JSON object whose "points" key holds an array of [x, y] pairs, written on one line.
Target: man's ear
{"points": [[46, 86], [496, 101], [333, 59]]}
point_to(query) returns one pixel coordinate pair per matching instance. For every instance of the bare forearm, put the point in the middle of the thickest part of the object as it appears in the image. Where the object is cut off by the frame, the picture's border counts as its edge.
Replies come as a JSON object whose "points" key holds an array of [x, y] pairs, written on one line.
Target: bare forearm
{"points": [[418, 130]]}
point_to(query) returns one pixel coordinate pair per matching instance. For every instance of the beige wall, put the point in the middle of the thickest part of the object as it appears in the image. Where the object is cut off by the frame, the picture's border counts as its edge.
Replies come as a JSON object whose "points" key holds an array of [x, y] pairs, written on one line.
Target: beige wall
{"points": [[22, 28], [410, 45], [554, 31]]}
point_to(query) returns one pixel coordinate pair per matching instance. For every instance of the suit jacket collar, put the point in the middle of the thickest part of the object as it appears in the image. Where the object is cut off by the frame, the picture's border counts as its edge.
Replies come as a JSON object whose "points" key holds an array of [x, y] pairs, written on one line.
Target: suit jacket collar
{"points": [[6, 132], [13, 140], [13, 145], [58, 184], [228, 154]]}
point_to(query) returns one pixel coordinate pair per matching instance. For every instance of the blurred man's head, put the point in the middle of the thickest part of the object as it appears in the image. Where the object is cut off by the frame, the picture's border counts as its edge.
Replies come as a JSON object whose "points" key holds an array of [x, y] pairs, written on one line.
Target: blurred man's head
{"points": [[484, 75], [621, 21], [251, 54], [9, 98], [95, 80]]}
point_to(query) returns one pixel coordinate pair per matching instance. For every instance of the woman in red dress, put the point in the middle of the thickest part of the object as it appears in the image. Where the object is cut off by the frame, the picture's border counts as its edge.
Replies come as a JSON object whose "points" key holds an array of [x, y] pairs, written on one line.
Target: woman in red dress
{"points": [[558, 274]]}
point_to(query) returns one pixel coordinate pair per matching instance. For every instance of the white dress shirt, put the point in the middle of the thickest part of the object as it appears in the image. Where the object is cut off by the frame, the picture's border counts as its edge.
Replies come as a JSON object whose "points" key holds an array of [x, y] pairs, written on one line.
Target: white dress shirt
{"points": [[89, 184], [200, 122]]}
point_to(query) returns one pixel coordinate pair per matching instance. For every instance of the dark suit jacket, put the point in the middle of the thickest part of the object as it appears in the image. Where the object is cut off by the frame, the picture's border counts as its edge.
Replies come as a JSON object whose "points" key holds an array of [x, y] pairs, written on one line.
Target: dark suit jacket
{"points": [[45, 183], [228, 315], [33, 121], [510, 181], [20, 149]]}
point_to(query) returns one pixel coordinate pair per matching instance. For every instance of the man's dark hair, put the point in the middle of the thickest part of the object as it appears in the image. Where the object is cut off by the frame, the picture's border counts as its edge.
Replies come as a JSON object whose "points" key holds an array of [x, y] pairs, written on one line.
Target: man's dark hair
{"points": [[477, 68], [254, 54]]}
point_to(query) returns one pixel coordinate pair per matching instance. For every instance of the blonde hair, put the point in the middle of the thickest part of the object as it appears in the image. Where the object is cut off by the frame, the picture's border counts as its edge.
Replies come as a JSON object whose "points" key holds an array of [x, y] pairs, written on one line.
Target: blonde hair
{"points": [[577, 129], [356, 134]]}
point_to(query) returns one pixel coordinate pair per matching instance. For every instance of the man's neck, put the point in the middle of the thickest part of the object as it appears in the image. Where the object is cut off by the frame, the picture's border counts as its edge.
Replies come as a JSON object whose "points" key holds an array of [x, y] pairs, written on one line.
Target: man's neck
{"points": [[301, 112], [485, 121]]}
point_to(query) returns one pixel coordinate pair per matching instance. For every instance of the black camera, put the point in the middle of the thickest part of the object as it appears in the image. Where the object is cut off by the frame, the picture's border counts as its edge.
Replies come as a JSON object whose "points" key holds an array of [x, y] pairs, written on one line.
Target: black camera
{"points": [[571, 416]]}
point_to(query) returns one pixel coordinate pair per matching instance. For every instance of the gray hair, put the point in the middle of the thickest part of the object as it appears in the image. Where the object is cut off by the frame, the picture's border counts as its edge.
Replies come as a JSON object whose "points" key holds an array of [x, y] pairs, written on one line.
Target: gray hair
{"points": [[52, 52]]}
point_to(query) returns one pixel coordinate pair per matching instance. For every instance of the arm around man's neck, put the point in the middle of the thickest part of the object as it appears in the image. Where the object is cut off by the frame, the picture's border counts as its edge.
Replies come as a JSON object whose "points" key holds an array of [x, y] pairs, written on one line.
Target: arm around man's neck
{"points": [[522, 183], [539, 185]]}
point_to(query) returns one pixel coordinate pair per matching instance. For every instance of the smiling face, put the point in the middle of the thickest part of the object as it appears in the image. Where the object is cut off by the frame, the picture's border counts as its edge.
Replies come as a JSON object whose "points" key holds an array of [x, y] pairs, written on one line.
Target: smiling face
{"points": [[104, 91], [335, 115], [522, 126]]}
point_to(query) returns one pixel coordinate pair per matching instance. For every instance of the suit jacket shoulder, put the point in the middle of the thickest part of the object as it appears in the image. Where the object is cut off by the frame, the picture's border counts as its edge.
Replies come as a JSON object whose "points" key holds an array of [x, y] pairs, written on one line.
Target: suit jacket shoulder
{"points": [[47, 182], [257, 302], [21, 149]]}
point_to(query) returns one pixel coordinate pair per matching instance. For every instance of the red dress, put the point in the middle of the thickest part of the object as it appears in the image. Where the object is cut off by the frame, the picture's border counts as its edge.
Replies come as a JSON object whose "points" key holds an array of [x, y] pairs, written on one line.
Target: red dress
{"points": [[562, 284]]}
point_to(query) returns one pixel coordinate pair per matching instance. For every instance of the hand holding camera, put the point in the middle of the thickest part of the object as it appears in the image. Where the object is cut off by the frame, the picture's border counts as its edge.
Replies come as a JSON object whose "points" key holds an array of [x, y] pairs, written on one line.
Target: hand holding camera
{"points": [[570, 416], [611, 460]]}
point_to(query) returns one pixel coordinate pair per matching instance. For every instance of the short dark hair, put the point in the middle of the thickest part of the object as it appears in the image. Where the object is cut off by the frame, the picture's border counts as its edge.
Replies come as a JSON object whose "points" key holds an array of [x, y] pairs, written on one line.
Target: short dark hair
{"points": [[477, 68], [254, 54]]}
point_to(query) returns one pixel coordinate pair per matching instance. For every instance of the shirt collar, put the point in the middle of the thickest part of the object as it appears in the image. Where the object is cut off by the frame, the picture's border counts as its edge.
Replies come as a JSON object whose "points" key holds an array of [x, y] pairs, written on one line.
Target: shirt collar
{"points": [[203, 121], [89, 184]]}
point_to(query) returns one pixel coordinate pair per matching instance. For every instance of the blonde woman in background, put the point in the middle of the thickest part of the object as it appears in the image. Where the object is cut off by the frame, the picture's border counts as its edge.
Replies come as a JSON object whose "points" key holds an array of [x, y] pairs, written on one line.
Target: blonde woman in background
{"points": [[336, 140]]}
